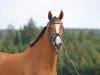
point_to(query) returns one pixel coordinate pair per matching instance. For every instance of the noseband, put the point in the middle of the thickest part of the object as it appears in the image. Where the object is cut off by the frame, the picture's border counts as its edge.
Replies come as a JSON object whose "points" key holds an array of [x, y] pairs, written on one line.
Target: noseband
{"points": [[53, 37]]}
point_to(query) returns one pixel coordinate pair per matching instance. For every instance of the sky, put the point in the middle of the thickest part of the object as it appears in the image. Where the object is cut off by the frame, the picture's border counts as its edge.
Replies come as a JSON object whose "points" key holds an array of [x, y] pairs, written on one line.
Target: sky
{"points": [[77, 13]]}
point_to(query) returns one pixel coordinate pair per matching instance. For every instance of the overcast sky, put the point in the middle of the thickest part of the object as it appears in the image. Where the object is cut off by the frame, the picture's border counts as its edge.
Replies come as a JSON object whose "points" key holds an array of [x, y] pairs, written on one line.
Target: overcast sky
{"points": [[77, 13]]}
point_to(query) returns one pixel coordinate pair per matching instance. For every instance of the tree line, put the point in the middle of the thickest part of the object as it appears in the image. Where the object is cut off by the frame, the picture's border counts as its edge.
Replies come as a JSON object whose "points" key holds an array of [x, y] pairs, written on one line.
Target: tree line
{"points": [[82, 46]]}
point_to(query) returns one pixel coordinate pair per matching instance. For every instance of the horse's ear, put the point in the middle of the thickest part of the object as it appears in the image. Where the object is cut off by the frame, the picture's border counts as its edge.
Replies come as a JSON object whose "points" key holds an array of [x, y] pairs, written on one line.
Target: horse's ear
{"points": [[49, 15], [61, 15]]}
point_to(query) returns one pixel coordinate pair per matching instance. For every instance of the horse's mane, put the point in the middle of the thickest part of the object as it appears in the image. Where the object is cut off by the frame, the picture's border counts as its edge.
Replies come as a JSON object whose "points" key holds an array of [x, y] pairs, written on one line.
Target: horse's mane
{"points": [[40, 35]]}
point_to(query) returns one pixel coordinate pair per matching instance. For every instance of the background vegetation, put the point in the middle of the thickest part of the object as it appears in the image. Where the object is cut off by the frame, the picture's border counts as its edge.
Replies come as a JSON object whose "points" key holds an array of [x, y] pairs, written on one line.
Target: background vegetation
{"points": [[82, 45]]}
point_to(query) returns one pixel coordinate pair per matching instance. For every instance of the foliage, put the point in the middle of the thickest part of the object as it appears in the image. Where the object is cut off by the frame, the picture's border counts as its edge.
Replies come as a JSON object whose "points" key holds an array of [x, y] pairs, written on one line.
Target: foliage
{"points": [[82, 46]]}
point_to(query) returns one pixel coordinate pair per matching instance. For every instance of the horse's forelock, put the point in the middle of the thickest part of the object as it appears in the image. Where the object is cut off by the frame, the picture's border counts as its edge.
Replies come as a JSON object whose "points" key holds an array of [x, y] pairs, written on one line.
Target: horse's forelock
{"points": [[53, 19]]}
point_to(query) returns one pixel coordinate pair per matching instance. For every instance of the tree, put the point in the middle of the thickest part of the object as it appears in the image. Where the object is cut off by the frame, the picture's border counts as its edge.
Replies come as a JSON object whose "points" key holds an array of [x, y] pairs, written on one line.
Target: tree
{"points": [[8, 42], [29, 32]]}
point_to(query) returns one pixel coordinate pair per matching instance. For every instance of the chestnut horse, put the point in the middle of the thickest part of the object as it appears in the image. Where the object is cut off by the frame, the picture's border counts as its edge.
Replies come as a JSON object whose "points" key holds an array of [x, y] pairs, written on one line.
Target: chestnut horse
{"points": [[40, 58]]}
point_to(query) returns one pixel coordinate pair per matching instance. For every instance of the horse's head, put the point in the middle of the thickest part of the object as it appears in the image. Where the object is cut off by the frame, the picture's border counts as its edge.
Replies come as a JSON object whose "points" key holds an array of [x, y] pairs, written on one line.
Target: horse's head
{"points": [[56, 30]]}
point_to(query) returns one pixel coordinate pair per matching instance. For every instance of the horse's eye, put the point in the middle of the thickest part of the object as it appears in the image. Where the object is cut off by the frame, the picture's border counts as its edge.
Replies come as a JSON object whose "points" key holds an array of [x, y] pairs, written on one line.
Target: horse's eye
{"points": [[63, 29], [50, 29]]}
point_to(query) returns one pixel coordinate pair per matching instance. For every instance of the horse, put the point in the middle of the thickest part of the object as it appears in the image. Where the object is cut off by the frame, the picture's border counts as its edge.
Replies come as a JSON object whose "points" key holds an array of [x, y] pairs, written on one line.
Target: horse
{"points": [[40, 58]]}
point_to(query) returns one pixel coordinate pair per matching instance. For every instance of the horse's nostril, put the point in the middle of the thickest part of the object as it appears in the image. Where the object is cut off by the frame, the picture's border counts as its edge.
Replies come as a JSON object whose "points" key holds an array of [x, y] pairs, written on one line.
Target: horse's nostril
{"points": [[60, 44]]}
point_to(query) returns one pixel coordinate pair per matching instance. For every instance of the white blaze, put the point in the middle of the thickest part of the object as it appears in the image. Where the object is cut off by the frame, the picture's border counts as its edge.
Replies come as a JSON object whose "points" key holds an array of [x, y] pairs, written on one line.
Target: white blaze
{"points": [[57, 28], [58, 39]]}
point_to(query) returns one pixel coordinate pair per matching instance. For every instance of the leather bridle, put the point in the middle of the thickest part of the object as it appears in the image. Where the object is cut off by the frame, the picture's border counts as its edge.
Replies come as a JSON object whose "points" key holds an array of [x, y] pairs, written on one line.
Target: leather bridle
{"points": [[53, 37]]}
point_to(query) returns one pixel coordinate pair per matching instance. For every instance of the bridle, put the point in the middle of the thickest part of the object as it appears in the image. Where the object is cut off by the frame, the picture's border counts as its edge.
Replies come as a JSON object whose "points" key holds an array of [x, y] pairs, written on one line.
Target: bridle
{"points": [[53, 37]]}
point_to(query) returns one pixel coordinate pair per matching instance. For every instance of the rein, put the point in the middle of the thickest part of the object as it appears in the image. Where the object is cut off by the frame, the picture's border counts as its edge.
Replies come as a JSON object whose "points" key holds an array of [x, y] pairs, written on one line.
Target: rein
{"points": [[75, 70], [52, 38]]}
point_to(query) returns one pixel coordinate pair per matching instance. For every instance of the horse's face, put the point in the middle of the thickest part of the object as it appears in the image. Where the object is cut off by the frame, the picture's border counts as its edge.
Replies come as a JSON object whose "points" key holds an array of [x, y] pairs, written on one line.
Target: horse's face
{"points": [[55, 29]]}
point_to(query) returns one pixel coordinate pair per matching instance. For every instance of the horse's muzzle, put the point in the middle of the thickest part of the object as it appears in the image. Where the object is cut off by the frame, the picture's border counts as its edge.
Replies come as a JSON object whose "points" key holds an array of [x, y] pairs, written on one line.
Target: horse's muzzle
{"points": [[58, 42]]}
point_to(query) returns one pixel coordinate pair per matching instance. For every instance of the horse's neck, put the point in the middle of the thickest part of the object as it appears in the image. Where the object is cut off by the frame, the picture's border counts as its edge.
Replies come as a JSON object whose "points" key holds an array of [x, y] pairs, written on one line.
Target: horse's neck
{"points": [[43, 51]]}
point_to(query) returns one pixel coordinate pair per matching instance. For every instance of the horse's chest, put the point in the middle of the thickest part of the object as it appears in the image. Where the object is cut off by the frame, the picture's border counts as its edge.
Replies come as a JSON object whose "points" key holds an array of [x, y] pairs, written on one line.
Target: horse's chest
{"points": [[40, 71]]}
